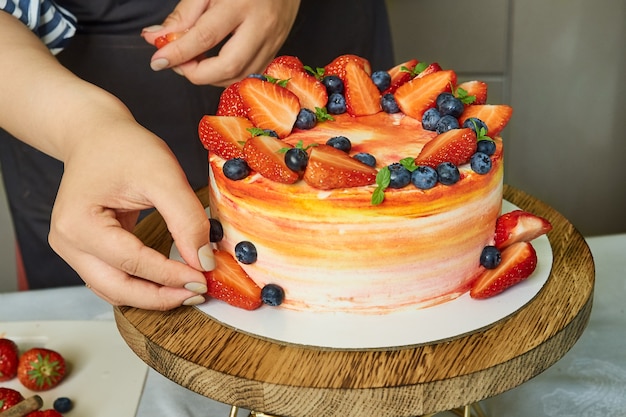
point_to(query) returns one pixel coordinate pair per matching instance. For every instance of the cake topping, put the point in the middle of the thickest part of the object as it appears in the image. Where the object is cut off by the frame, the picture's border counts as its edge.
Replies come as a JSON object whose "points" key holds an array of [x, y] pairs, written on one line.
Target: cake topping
{"points": [[230, 283]]}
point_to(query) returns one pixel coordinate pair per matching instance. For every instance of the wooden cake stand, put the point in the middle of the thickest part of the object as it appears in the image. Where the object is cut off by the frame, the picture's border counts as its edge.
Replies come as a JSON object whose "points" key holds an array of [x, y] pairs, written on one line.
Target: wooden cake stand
{"points": [[190, 348]]}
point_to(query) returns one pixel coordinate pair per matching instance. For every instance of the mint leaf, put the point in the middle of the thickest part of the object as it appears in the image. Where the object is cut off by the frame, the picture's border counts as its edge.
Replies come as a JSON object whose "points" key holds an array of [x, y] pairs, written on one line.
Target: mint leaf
{"points": [[256, 131], [408, 163], [383, 178], [419, 68], [316, 72], [322, 114]]}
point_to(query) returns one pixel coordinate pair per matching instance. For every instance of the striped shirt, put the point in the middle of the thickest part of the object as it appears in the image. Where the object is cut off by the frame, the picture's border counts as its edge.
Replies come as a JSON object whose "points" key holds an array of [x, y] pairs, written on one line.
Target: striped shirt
{"points": [[53, 24]]}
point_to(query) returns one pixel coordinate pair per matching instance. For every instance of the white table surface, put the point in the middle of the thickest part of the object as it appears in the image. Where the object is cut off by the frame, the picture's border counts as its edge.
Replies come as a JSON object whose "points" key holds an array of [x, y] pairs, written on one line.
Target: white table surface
{"points": [[590, 380]]}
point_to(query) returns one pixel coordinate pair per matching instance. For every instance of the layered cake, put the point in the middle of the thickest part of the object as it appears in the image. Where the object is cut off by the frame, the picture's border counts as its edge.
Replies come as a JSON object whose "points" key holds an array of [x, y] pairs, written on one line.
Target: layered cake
{"points": [[346, 189]]}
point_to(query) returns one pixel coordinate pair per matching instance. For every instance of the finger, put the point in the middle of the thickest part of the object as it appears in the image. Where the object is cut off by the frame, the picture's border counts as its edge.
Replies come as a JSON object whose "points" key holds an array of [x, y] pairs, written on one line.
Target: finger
{"points": [[184, 16]]}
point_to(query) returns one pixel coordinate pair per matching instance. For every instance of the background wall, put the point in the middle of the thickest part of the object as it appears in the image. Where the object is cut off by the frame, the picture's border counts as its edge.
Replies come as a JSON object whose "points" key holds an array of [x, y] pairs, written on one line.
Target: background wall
{"points": [[561, 64]]}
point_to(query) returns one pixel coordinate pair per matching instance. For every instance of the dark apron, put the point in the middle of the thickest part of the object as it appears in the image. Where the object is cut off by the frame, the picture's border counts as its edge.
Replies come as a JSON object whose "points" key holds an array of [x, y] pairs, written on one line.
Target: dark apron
{"points": [[109, 52]]}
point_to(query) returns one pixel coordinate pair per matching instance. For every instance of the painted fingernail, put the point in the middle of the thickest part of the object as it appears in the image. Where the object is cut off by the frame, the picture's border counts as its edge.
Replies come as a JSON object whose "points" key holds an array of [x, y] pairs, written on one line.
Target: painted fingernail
{"points": [[196, 287], [151, 29], [206, 257], [195, 300], [159, 64]]}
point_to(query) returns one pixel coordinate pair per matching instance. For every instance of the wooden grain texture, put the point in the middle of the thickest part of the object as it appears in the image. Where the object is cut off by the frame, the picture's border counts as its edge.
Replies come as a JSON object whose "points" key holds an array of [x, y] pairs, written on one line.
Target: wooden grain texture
{"points": [[193, 350]]}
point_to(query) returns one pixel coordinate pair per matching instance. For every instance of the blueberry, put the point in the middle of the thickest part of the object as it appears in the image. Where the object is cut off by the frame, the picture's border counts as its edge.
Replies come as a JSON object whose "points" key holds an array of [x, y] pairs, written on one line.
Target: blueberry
{"points": [[236, 169], [63, 405], [245, 252], [450, 105], [306, 119], [216, 232], [270, 132], [381, 79], [480, 163], [443, 96], [340, 142], [430, 118], [389, 104], [486, 146], [333, 84], [490, 257], [336, 104], [272, 295], [446, 123], [424, 177], [399, 176], [448, 173], [475, 124], [296, 159], [366, 158], [259, 76]]}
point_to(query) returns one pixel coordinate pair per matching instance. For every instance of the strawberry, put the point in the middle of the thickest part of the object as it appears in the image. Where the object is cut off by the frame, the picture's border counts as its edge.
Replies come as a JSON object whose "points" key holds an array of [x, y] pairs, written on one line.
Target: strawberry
{"points": [[401, 74], [310, 91], [41, 369], [264, 155], [519, 226], [230, 283], [420, 94], [44, 413], [362, 95], [456, 146], [161, 41], [330, 168], [270, 106], [434, 67], [518, 262], [8, 359], [495, 116], [288, 61], [9, 397], [477, 89], [338, 65], [231, 103], [224, 135]]}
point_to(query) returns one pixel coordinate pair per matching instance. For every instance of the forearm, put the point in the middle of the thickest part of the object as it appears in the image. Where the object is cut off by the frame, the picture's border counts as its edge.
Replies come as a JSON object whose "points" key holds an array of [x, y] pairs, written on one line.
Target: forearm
{"points": [[42, 103]]}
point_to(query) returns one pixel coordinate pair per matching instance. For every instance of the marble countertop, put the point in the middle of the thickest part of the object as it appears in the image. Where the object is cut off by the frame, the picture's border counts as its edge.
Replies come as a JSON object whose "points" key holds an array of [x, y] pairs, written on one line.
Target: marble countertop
{"points": [[589, 380]]}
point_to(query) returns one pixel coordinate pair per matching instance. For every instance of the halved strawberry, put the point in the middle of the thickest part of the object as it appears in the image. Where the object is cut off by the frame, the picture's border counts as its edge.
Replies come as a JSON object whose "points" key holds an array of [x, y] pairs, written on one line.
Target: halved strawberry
{"points": [[269, 106], [420, 94], [310, 91], [231, 103], [495, 116], [519, 226], [518, 262], [161, 41], [9, 397], [224, 135], [287, 60], [400, 74], [475, 88], [264, 155], [230, 283], [456, 146], [338, 65], [330, 168], [362, 95], [431, 68]]}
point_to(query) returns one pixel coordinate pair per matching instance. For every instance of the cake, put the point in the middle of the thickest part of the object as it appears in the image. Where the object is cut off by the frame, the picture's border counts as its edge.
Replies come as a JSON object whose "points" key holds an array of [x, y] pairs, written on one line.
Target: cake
{"points": [[368, 200]]}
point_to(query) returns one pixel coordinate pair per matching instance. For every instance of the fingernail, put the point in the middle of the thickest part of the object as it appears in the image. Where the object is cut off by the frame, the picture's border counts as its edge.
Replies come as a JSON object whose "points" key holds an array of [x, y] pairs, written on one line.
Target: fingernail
{"points": [[177, 70], [153, 28], [206, 257], [195, 300], [159, 64], [196, 287]]}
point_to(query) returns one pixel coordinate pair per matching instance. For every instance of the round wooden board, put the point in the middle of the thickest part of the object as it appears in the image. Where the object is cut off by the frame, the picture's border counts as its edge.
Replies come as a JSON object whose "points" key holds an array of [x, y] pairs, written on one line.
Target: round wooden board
{"points": [[195, 351]]}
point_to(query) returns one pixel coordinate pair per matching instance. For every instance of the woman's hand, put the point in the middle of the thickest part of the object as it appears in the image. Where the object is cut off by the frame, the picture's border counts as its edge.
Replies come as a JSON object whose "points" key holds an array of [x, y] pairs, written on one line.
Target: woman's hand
{"points": [[257, 30]]}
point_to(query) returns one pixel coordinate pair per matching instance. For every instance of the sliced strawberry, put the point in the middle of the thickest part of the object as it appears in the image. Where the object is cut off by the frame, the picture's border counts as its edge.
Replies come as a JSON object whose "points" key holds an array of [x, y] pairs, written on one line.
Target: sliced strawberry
{"points": [[330, 168], [269, 106], [519, 226], [230, 283], [518, 262], [264, 155], [231, 103], [495, 116], [8, 398], [401, 74], [338, 65], [475, 88], [310, 91], [287, 60], [161, 41], [420, 94], [224, 135], [362, 95], [431, 68], [456, 146]]}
